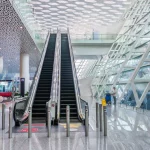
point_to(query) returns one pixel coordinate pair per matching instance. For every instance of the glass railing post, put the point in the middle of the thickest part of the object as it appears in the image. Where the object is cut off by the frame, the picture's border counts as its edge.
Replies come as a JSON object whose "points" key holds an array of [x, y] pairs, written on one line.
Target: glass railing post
{"points": [[3, 116], [97, 115], [105, 120], [30, 123], [101, 116], [49, 121], [86, 121], [67, 120], [10, 123]]}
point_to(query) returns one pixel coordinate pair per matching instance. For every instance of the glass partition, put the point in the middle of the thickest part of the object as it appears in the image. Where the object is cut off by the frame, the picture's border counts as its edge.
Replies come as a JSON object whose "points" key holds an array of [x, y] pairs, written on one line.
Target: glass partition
{"points": [[6, 85], [93, 36]]}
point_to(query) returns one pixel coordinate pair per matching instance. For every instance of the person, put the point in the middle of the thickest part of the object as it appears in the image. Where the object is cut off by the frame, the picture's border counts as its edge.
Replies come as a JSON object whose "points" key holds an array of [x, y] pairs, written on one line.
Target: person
{"points": [[108, 98], [114, 92]]}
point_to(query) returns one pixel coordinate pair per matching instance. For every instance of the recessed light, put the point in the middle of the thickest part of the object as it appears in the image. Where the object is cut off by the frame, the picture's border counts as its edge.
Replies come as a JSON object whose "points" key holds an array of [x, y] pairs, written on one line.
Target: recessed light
{"points": [[91, 1], [127, 3], [109, 2], [21, 27]]}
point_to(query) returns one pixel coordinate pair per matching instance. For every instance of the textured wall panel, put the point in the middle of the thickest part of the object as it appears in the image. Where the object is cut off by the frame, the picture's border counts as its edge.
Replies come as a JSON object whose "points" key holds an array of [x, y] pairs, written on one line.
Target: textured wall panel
{"points": [[15, 39]]}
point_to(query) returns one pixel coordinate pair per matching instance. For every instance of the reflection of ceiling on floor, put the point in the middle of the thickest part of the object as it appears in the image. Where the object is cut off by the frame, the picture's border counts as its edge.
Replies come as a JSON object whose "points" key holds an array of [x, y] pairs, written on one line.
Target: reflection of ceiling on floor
{"points": [[81, 16], [14, 39]]}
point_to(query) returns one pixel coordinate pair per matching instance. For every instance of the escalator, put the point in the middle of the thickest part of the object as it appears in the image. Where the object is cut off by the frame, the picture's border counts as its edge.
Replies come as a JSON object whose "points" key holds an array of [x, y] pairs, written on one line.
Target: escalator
{"points": [[67, 92], [41, 88], [44, 86]]}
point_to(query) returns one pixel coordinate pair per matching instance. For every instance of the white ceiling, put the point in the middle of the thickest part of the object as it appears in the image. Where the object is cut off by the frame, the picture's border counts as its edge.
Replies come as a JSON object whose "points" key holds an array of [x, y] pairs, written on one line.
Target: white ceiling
{"points": [[81, 16]]}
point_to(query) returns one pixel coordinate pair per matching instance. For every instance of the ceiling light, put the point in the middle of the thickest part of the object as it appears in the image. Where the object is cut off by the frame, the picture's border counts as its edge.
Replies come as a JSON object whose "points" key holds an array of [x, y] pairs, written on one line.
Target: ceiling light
{"points": [[117, 5], [35, 2], [44, 0], [87, 6], [70, 5], [54, 4], [54, 9], [80, 3], [38, 8], [98, 4], [105, 7], [127, 3], [109, 2], [63, 2], [119, 13], [46, 11], [45, 6], [62, 7], [91, 1]]}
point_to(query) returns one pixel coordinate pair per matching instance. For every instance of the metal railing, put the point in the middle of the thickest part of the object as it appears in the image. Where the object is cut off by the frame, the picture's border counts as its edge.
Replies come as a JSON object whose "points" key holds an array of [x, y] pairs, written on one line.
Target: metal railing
{"points": [[93, 36], [76, 84]]}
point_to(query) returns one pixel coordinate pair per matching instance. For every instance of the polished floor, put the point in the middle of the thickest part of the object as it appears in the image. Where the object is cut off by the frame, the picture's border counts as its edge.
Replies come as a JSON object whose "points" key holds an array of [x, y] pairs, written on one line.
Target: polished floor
{"points": [[127, 130]]}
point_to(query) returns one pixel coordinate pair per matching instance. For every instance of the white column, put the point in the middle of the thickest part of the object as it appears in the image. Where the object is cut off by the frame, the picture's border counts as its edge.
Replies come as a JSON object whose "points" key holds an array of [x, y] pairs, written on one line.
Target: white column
{"points": [[1, 64], [24, 70]]}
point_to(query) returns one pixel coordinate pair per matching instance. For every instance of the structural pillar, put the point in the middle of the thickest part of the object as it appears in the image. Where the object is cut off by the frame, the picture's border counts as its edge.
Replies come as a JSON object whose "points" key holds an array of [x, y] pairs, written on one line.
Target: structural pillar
{"points": [[24, 70]]}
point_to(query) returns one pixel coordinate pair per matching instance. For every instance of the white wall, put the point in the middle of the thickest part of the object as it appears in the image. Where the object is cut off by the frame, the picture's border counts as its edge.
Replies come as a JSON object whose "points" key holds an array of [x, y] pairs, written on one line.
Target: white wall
{"points": [[91, 50], [85, 86], [1, 64]]}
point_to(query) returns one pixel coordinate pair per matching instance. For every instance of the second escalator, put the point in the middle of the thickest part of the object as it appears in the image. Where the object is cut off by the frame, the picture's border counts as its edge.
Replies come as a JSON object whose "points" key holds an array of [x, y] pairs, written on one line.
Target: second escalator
{"points": [[67, 94]]}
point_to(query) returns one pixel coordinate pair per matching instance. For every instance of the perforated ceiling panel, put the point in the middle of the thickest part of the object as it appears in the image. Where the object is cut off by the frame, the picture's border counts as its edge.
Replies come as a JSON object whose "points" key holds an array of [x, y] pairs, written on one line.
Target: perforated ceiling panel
{"points": [[14, 39], [81, 16]]}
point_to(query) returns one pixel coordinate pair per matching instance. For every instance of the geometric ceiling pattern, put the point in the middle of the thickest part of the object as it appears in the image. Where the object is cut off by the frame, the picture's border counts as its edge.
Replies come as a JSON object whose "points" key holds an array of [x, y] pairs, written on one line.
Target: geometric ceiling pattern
{"points": [[14, 40], [80, 16]]}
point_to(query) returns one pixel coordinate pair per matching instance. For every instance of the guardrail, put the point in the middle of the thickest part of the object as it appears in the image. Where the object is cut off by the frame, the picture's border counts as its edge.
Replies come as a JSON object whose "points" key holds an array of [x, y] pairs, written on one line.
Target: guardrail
{"points": [[93, 36]]}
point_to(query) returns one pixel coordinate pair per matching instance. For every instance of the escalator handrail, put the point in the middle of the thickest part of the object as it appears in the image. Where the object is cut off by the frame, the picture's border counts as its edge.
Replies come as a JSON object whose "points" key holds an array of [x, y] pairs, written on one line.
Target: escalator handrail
{"points": [[76, 83], [59, 74], [53, 92], [55, 88], [55, 83]]}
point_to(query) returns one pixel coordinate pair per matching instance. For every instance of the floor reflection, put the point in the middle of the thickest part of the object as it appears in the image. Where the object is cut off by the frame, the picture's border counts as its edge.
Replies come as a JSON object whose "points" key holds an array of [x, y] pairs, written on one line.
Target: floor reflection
{"points": [[127, 130]]}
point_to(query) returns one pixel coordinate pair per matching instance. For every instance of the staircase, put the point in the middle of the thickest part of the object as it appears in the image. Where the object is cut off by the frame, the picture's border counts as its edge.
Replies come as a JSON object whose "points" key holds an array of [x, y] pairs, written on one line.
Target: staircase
{"points": [[67, 93], [44, 85]]}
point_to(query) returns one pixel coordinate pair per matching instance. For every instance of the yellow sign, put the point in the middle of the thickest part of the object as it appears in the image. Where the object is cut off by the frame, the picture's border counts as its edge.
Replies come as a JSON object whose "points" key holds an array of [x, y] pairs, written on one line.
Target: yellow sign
{"points": [[72, 125], [103, 102]]}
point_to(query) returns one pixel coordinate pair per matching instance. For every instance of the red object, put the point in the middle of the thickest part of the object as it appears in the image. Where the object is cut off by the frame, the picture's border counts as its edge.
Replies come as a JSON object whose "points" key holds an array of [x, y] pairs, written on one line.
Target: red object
{"points": [[5, 94], [26, 130], [38, 125]]}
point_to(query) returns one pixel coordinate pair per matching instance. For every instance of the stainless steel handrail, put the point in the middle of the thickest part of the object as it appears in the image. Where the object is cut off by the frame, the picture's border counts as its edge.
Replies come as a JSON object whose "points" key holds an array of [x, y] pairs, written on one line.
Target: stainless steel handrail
{"points": [[59, 77], [31, 99], [54, 75], [77, 91], [55, 88]]}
